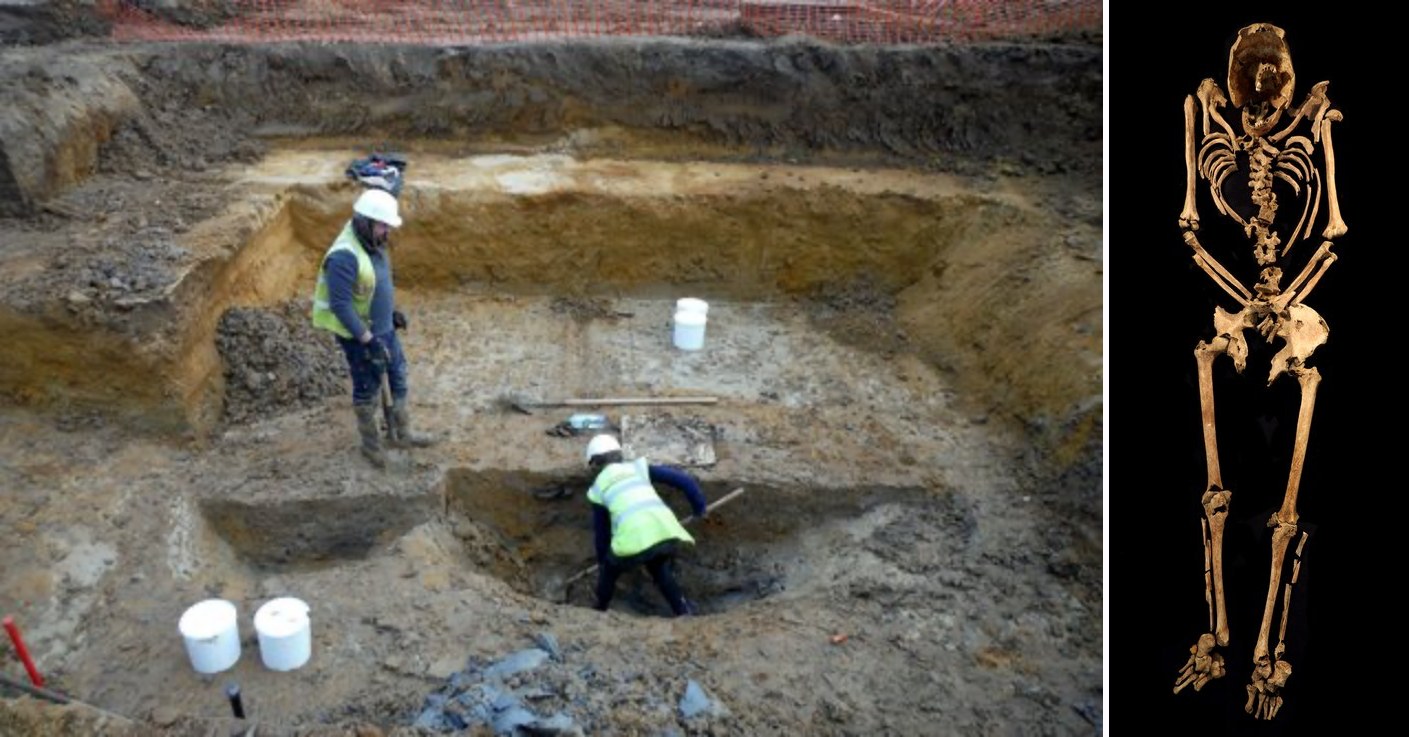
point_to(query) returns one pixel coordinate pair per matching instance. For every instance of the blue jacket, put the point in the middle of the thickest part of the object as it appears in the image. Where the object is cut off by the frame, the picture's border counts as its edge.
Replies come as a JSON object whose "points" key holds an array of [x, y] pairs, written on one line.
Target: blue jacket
{"points": [[342, 276], [602, 522]]}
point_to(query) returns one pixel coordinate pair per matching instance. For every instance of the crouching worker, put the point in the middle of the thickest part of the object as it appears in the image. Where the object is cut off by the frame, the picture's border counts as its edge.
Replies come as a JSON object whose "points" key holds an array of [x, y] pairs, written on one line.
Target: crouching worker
{"points": [[633, 527]]}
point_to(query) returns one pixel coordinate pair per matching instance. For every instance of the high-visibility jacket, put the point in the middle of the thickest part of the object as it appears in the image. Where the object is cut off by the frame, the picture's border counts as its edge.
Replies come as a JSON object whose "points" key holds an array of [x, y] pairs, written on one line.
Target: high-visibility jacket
{"points": [[323, 316], [639, 518]]}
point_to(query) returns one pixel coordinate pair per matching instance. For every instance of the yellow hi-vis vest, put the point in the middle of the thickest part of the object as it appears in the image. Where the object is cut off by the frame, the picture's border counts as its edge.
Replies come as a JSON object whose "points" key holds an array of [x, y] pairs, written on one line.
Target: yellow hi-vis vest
{"points": [[639, 518], [323, 316]]}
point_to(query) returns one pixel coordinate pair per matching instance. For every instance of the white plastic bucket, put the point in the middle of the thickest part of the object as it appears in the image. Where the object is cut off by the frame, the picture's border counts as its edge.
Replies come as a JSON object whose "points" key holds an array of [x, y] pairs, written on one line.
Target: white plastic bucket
{"points": [[212, 633], [689, 330], [690, 304], [285, 639]]}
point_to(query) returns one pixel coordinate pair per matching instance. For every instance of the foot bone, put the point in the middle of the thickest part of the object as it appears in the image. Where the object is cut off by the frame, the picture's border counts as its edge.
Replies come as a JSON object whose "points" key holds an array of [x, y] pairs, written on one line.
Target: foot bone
{"points": [[1204, 665], [1265, 691]]}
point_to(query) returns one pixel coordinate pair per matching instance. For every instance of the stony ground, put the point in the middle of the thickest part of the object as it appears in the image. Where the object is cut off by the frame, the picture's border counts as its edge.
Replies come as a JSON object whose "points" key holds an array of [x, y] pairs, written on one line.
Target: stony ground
{"points": [[929, 585]]}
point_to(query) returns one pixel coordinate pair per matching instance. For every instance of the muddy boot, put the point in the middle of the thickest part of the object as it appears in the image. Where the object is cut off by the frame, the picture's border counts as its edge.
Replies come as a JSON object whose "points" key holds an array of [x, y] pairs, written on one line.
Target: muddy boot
{"points": [[371, 435], [404, 436]]}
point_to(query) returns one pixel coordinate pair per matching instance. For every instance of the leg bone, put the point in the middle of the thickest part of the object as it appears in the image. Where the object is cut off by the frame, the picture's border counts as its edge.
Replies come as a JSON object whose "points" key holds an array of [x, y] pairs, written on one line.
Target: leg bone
{"points": [[1204, 663], [1270, 673], [1216, 498]]}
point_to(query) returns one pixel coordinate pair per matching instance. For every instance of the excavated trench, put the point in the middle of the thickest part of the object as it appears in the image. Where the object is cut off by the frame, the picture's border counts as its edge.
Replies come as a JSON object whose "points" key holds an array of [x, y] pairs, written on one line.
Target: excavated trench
{"points": [[533, 532], [615, 228], [554, 224], [615, 238], [758, 547]]}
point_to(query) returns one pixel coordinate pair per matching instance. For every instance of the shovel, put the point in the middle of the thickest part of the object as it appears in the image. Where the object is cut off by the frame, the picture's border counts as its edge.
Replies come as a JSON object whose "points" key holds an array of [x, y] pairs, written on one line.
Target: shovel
{"points": [[392, 433]]}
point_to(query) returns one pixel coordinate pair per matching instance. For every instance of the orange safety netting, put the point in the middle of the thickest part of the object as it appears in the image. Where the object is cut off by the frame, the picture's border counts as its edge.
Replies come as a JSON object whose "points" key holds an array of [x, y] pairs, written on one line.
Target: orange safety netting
{"points": [[448, 22]]}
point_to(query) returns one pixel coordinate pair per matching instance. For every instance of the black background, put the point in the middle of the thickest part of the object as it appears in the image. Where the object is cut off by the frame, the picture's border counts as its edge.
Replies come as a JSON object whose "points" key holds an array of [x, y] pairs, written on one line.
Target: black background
{"points": [[1343, 637]]}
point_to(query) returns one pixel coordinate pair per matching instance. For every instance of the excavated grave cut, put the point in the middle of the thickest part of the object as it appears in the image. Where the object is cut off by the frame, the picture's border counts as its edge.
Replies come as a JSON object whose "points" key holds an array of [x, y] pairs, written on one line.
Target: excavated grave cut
{"points": [[535, 533]]}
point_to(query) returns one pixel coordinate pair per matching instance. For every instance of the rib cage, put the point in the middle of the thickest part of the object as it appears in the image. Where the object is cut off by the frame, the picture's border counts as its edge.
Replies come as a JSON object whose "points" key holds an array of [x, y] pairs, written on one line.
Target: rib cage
{"points": [[1218, 159]]}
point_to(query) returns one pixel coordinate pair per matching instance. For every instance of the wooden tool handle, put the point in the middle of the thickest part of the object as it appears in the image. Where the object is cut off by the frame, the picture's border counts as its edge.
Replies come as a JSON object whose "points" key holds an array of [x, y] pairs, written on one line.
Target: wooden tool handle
{"points": [[592, 402], [721, 501]]}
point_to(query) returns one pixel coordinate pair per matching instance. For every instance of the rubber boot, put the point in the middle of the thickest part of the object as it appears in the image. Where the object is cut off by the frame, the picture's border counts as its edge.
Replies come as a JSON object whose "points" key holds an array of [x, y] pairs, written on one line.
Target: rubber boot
{"points": [[371, 436], [405, 437]]}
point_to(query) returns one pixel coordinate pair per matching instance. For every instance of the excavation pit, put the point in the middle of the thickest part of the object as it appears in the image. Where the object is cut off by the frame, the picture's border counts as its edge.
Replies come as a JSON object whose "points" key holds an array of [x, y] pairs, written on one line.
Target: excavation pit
{"points": [[871, 248], [327, 522], [867, 249], [762, 543], [533, 532]]}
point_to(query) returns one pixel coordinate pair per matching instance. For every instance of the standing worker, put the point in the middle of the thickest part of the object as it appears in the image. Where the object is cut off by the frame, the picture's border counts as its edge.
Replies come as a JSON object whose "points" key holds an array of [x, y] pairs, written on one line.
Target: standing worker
{"points": [[355, 300], [632, 525]]}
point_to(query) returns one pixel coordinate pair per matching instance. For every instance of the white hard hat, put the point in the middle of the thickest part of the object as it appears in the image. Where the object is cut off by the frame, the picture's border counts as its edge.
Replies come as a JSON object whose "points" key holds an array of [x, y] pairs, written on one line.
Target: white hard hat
{"points": [[600, 444], [378, 205]]}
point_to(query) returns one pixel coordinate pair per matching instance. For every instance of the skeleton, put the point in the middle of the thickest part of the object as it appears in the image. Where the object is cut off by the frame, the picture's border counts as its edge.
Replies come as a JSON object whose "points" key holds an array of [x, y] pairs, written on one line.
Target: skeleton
{"points": [[1271, 161]]}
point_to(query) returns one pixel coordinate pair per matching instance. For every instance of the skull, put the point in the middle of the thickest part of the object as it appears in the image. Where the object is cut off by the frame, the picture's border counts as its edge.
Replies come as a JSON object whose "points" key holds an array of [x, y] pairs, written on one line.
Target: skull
{"points": [[1260, 77]]}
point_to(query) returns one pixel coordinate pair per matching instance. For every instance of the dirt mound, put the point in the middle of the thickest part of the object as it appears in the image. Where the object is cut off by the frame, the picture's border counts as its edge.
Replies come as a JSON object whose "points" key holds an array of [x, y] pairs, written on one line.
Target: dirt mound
{"points": [[549, 690], [121, 274], [860, 313], [276, 362], [193, 13], [176, 132], [49, 22], [584, 309]]}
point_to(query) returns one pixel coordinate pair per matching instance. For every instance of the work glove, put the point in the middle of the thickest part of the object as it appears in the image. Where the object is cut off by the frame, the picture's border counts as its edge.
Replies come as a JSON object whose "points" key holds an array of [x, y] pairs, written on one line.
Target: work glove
{"points": [[398, 320], [377, 354]]}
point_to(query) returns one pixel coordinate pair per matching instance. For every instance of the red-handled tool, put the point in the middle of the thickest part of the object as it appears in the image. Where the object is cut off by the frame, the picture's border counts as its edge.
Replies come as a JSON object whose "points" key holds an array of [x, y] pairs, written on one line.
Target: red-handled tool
{"points": [[23, 652]]}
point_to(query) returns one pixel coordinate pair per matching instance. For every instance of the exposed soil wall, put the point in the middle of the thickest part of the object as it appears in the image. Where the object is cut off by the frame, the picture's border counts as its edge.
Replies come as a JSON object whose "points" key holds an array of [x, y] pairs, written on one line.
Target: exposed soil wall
{"points": [[58, 112], [1036, 106], [49, 21]]}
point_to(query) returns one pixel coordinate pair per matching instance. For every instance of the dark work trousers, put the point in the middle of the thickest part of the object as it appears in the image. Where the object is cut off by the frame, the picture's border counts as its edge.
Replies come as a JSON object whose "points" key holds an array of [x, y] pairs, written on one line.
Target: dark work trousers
{"points": [[366, 379], [657, 560]]}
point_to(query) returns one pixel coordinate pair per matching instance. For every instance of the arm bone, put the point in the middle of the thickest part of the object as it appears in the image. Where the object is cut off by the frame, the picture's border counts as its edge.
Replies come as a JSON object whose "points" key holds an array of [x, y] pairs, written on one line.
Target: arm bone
{"points": [[1215, 270]]}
